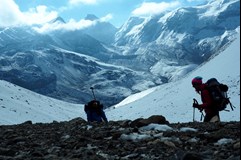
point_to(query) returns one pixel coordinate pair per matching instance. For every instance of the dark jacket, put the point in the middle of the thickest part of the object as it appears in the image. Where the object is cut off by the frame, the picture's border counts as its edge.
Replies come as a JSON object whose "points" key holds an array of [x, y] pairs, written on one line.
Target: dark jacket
{"points": [[95, 112], [207, 103]]}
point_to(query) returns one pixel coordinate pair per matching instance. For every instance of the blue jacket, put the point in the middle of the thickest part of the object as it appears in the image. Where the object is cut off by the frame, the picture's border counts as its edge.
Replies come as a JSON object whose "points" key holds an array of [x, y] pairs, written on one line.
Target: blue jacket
{"points": [[95, 113]]}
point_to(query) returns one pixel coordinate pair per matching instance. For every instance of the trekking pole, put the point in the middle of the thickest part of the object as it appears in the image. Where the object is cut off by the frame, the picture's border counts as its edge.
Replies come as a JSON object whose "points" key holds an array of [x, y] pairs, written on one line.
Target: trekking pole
{"points": [[201, 110], [231, 105], [92, 89], [202, 115], [193, 119], [194, 101]]}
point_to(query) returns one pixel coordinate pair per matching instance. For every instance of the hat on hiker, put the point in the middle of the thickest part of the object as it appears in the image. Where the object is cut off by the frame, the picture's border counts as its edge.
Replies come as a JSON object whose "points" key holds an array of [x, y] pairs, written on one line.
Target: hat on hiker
{"points": [[197, 80]]}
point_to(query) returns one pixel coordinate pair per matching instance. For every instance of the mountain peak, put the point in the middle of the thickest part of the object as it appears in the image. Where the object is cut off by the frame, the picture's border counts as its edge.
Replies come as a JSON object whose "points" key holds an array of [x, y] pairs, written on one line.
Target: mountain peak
{"points": [[58, 20], [91, 17]]}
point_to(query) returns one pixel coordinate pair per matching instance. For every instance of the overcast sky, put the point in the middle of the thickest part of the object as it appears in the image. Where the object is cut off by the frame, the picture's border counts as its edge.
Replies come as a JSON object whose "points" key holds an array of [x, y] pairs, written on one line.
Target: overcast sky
{"points": [[13, 12]]}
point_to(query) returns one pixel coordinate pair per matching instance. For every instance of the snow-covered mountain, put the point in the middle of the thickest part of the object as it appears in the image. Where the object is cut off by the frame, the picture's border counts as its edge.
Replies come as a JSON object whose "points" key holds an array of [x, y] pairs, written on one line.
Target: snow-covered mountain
{"points": [[172, 100], [14, 39], [182, 37], [146, 52], [68, 75], [58, 20], [102, 31], [58, 65]]}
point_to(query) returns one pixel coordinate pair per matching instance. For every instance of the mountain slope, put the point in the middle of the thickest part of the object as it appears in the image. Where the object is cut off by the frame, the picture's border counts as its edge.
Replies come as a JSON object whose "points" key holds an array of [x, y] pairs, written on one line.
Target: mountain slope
{"points": [[18, 105], [174, 100]]}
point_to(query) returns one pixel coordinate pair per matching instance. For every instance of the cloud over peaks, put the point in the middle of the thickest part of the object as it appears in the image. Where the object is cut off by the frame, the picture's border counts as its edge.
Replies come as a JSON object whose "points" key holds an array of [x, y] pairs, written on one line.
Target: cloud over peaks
{"points": [[10, 14], [152, 8], [39, 15], [71, 25]]}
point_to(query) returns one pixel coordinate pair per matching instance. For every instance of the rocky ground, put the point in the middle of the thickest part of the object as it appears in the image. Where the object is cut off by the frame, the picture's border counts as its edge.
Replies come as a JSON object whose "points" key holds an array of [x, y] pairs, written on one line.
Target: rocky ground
{"points": [[121, 140]]}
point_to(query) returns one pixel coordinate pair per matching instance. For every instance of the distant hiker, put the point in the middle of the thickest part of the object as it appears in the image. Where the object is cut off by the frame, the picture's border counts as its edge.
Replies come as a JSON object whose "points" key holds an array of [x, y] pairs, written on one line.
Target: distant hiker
{"points": [[95, 112], [211, 111]]}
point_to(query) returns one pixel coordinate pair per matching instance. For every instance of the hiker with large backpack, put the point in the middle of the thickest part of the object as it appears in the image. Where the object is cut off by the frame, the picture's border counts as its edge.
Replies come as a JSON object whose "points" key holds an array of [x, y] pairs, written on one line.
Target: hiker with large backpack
{"points": [[214, 98], [95, 110]]}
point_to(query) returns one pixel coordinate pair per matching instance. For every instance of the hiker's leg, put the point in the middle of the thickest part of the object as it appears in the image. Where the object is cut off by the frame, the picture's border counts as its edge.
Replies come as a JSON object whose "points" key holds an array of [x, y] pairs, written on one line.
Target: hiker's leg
{"points": [[207, 118]]}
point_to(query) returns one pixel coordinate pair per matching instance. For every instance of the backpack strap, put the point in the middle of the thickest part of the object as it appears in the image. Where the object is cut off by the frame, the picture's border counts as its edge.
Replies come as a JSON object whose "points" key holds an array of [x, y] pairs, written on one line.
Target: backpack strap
{"points": [[231, 105]]}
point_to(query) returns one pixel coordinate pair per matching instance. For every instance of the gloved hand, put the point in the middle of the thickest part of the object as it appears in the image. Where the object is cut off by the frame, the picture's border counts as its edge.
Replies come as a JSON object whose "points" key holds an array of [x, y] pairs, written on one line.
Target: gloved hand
{"points": [[195, 105]]}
